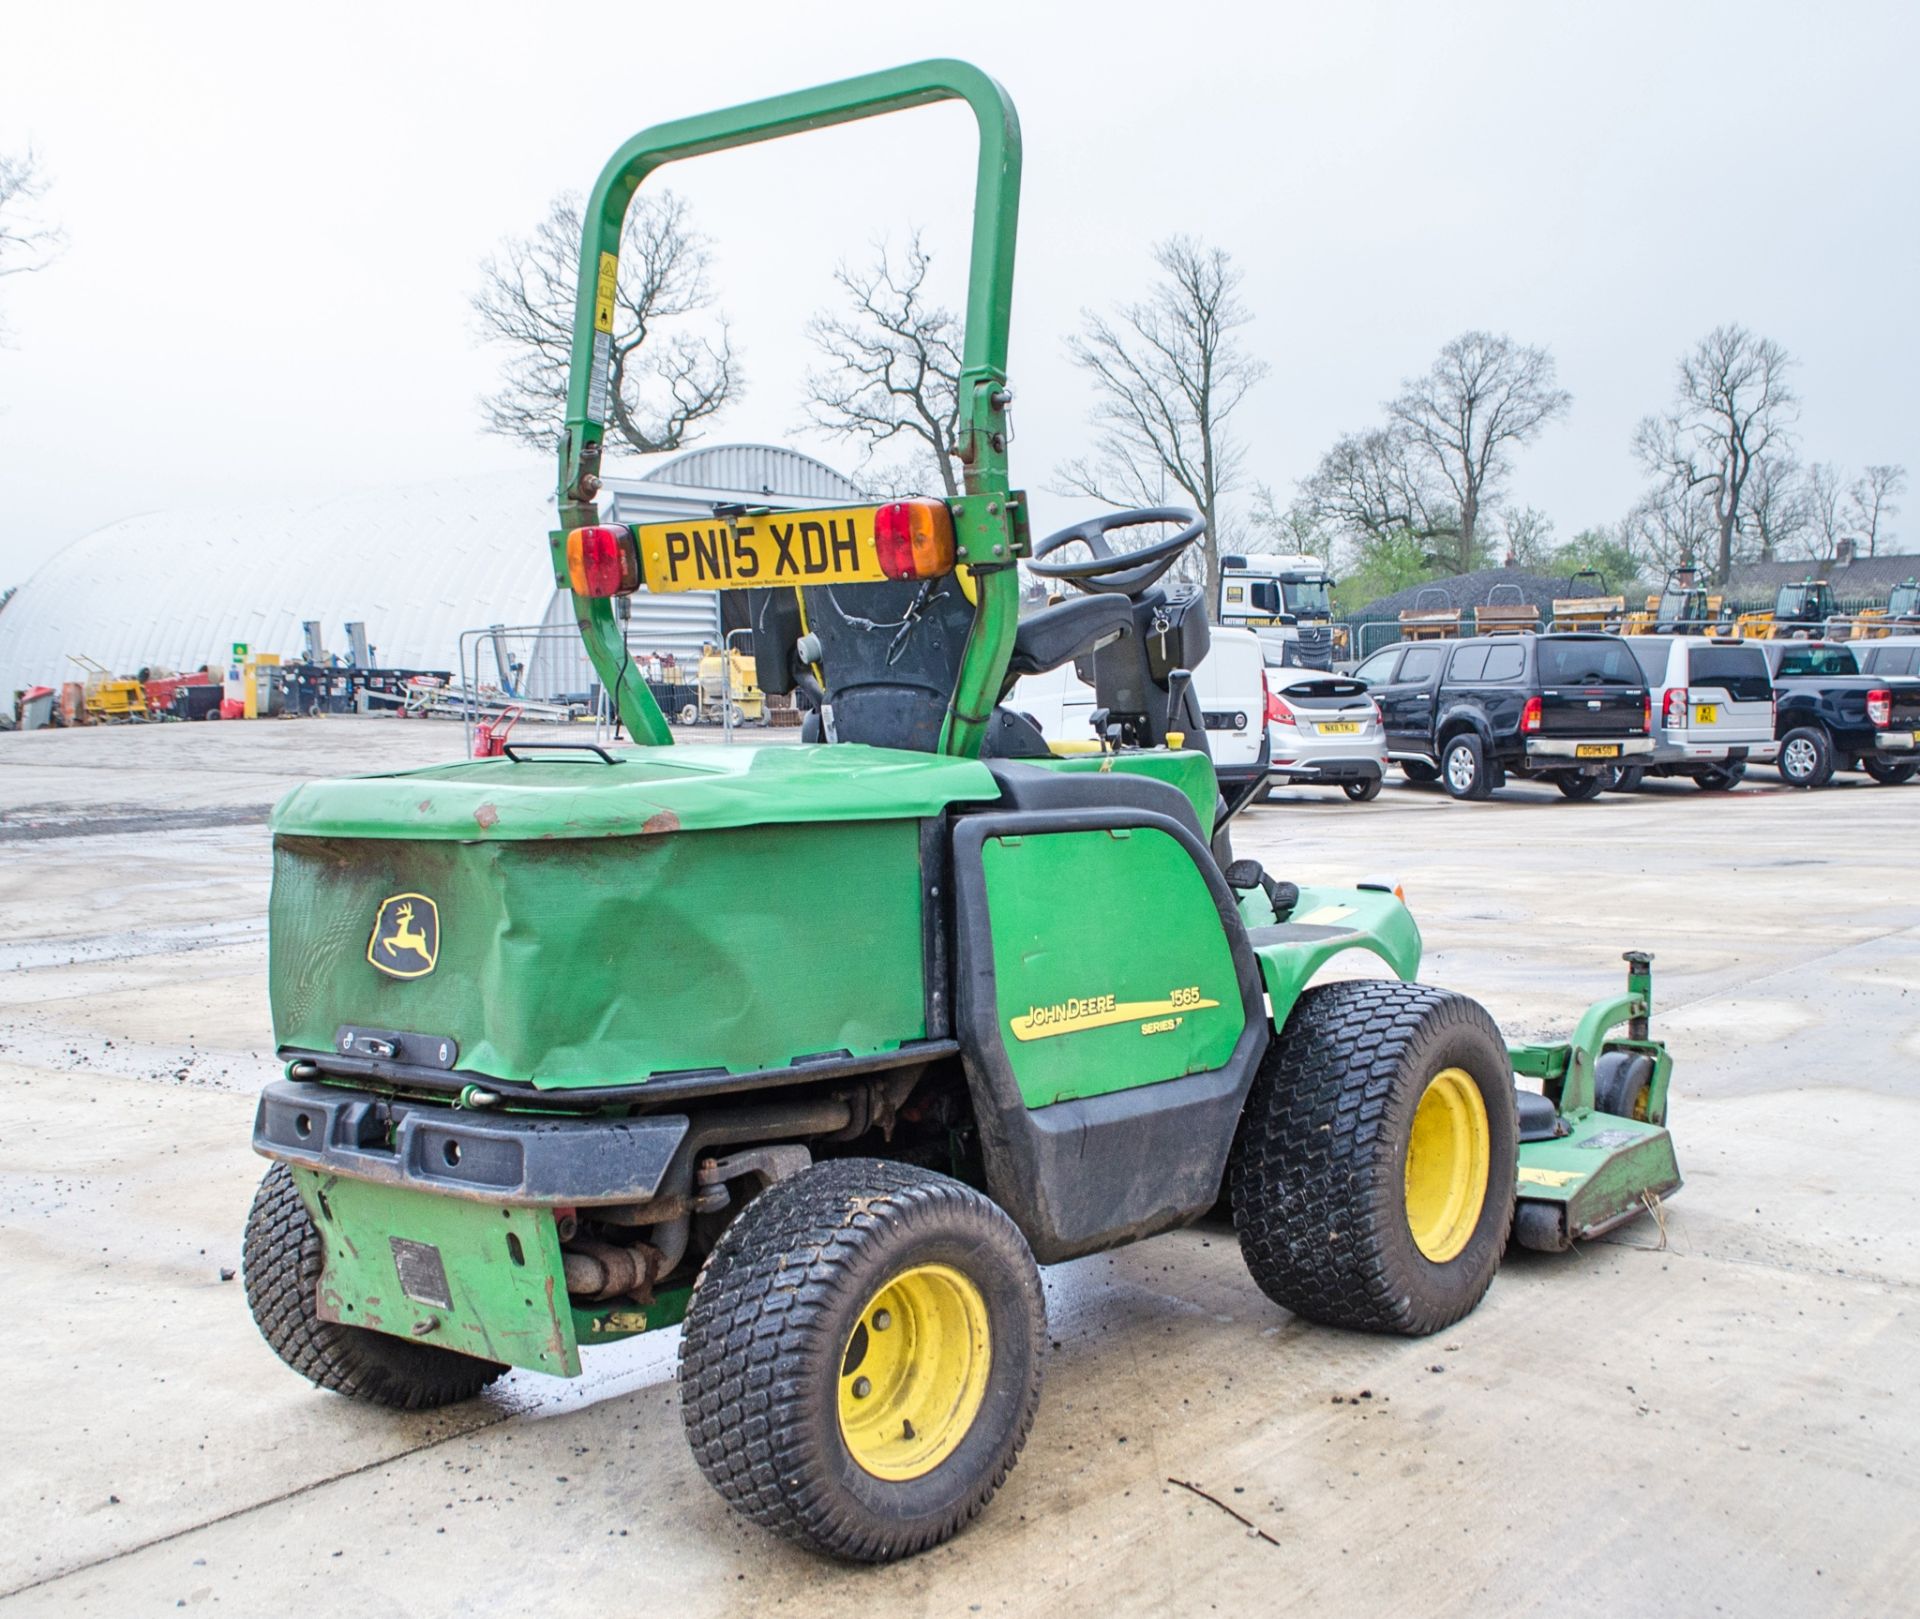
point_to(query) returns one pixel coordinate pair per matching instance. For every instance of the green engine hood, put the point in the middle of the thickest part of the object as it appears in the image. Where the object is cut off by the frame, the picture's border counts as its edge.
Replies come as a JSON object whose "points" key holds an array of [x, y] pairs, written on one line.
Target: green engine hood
{"points": [[690, 788]]}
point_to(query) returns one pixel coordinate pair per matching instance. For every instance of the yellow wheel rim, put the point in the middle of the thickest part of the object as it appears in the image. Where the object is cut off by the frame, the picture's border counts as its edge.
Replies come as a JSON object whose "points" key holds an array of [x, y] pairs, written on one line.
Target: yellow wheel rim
{"points": [[1447, 1158], [914, 1372]]}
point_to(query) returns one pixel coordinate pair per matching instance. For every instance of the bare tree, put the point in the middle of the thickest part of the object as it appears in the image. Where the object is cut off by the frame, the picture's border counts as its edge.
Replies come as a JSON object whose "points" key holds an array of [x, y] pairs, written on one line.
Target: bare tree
{"points": [[1483, 396], [1167, 375], [1732, 407], [1369, 485], [28, 242], [1776, 507], [1526, 535], [1674, 526], [1825, 497], [1870, 504], [894, 367], [663, 379]]}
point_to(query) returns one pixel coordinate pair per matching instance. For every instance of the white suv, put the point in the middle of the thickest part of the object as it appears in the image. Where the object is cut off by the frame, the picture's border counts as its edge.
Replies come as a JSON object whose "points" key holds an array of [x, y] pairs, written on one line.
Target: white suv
{"points": [[1712, 710]]}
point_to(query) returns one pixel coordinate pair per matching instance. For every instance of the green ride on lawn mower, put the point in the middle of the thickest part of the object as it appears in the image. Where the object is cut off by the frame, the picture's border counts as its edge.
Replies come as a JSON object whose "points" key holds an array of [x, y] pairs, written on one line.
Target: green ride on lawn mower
{"points": [[822, 1048]]}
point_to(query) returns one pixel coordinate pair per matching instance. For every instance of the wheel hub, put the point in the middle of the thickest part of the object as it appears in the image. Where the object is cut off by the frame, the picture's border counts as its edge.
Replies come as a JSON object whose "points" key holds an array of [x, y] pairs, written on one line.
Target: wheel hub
{"points": [[914, 1372], [1448, 1155]]}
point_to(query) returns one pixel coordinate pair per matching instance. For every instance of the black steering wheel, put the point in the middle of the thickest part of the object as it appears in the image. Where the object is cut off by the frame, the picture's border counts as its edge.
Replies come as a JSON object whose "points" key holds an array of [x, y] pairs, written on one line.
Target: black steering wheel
{"points": [[1123, 573]]}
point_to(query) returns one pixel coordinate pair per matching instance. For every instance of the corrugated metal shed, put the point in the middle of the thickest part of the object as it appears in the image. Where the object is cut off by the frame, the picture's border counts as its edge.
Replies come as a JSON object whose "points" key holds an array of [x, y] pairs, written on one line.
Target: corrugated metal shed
{"points": [[418, 565]]}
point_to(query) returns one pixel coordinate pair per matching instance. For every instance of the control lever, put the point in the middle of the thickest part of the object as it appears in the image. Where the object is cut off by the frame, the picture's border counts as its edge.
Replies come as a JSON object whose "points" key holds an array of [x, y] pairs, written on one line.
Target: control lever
{"points": [[1098, 720], [1178, 680]]}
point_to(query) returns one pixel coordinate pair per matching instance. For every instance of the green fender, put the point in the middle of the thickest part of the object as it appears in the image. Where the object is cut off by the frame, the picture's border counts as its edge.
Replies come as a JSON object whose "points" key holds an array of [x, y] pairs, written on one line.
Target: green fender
{"points": [[1325, 923]]}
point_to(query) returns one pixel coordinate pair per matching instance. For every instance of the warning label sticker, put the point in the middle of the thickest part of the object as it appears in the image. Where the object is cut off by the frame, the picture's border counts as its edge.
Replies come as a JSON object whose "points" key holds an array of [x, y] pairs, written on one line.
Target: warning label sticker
{"points": [[603, 294]]}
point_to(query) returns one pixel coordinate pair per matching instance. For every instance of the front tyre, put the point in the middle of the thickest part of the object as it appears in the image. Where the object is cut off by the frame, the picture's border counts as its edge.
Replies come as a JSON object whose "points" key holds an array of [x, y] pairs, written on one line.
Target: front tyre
{"points": [[1889, 773], [281, 1263], [1363, 790], [861, 1360], [1373, 1178], [1419, 772]]}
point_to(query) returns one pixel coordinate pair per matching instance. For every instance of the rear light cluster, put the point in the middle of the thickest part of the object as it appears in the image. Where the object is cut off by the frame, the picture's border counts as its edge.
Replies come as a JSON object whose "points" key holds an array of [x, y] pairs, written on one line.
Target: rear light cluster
{"points": [[603, 561], [1280, 711], [914, 539], [1880, 708], [1531, 715]]}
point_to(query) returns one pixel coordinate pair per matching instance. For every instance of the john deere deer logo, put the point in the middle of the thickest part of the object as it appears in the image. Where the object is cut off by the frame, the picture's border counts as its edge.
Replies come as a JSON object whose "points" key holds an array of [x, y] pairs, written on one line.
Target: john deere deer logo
{"points": [[406, 936]]}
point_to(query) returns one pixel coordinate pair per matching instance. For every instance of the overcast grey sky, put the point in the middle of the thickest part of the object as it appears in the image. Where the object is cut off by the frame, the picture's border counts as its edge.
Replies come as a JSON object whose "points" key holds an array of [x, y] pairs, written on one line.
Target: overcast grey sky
{"points": [[276, 213]]}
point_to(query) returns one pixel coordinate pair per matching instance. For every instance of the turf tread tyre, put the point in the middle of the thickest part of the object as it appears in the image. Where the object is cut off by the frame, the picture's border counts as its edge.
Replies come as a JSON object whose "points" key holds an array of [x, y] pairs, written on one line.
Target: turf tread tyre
{"points": [[773, 1305], [1319, 1167], [1363, 791], [1889, 774], [1419, 772], [281, 1263]]}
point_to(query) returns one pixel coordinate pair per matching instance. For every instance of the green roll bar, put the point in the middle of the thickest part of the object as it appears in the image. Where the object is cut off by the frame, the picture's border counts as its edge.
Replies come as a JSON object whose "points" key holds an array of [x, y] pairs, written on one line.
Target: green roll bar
{"points": [[988, 530]]}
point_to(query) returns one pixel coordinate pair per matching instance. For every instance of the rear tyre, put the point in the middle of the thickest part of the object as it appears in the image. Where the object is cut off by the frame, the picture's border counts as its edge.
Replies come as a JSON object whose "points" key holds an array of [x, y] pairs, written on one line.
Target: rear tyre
{"points": [[861, 1360], [1890, 775], [1579, 786], [1364, 791], [281, 1263], [1806, 757], [1419, 771], [1463, 767], [1721, 779], [1623, 778], [1374, 1172]]}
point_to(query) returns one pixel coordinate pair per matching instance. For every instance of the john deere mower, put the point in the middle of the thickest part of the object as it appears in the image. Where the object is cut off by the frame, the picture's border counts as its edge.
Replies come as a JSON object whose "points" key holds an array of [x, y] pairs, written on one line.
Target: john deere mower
{"points": [[821, 1049]]}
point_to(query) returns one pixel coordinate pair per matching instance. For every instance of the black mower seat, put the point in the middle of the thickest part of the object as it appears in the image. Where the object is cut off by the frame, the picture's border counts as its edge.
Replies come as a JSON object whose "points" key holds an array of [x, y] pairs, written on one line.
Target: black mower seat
{"points": [[1068, 630]]}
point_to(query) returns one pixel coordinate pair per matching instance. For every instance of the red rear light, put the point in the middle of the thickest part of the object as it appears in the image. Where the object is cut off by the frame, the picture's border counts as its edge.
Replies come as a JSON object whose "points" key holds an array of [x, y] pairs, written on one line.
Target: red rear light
{"points": [[1530, 715], [603, 562], [1673, 709], [914, 539], [1880, 707], [1378, 717], [1279, 711], [1646, 714]]}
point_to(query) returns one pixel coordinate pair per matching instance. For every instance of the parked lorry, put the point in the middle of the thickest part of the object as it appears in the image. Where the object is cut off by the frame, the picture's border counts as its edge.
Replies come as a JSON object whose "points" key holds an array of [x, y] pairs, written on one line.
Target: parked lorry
{"points": [[1830, 716], [1286, 600], [1565, 708]]}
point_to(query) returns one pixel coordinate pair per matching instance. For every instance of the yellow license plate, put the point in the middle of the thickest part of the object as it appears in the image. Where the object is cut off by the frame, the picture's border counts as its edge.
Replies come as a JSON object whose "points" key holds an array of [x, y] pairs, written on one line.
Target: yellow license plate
{"points": [[770, 548], [1596, 750], [1706, 713], [1340, 728]]}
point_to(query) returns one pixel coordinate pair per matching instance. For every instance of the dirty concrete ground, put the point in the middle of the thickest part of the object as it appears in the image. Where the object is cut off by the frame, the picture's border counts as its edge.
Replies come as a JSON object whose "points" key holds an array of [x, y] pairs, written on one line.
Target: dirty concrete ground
{"points": [[1720, 1420]]}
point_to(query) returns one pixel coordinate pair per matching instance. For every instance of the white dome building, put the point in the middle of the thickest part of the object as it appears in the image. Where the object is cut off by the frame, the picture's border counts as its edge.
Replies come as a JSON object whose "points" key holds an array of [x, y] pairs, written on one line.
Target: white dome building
{"points": [[415, 565]]}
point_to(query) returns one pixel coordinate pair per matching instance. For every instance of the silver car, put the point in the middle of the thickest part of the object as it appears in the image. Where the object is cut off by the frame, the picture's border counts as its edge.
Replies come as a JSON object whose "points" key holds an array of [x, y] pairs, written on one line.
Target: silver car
{"points": [[1324, 727], [1712, 705]]}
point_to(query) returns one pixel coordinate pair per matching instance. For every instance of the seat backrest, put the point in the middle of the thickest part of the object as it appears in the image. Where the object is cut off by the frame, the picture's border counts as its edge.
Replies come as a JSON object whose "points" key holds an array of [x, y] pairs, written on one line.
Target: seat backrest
{"points": [[891, 654]]}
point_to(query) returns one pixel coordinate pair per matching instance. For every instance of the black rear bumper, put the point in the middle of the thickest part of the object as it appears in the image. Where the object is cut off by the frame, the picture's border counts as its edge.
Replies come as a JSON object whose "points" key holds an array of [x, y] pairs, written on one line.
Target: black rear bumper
{"points": [[494, 1157]]}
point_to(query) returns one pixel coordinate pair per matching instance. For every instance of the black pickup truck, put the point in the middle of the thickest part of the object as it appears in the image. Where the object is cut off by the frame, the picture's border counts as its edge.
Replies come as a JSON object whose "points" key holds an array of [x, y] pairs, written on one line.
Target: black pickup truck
{"points": [[1558, 708], [1828, 716]]}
